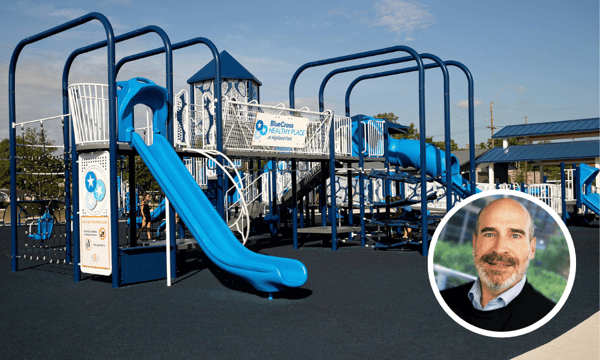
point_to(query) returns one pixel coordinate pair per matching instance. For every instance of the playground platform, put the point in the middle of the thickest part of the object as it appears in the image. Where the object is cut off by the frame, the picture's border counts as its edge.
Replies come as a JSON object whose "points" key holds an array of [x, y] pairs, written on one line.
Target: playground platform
{"points": [[357, 303]]}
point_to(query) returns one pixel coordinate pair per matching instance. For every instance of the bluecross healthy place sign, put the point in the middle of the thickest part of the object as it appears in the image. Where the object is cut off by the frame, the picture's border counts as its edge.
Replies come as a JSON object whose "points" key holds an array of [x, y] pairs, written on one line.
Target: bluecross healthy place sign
{"points": [[279, 130]]}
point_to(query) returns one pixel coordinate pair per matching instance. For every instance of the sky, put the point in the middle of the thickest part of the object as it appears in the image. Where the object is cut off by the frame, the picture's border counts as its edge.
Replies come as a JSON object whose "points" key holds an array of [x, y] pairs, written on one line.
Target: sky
{"points": [[533, 59]]}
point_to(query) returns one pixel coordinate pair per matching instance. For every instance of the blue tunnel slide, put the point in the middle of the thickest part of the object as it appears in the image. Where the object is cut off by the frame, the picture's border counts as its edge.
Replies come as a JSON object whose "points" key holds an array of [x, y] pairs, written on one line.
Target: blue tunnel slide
{"points": [[588, 198], [407, 153], [265, 273]]}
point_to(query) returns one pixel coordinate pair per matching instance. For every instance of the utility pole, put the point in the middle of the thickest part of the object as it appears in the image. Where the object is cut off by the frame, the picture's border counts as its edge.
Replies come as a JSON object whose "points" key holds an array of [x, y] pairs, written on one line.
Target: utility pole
{"points": [[526, 172], [492, 125]]}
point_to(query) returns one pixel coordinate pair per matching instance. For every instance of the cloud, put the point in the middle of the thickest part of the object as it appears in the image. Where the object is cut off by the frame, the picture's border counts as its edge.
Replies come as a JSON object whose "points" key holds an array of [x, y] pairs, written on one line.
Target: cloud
{"points": [[513, 87], [464, 104], [403, 17], [342, 10], [68, 13]]}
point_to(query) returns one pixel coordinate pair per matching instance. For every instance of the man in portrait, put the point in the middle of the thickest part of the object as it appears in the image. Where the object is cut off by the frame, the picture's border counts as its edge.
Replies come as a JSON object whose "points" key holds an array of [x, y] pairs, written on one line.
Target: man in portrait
{"points": [[500, 299]]}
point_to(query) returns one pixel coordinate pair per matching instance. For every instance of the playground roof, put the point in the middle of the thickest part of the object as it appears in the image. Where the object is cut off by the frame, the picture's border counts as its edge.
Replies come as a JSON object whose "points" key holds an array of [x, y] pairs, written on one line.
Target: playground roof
{"points": [[230, 69], [552, 130], [464, 157], [563, 151]]}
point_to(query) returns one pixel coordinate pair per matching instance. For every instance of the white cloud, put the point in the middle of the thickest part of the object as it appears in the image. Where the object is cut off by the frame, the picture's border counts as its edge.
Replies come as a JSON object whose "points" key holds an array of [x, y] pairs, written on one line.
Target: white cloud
{"points": [[464, 104], [403, 17], [69, 13], [342, 10]]}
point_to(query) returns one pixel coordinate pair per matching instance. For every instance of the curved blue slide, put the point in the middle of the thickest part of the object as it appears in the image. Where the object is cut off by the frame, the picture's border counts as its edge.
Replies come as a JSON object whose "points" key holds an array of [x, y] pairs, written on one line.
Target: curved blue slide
{"points": [[265, 273], [407, 153]]}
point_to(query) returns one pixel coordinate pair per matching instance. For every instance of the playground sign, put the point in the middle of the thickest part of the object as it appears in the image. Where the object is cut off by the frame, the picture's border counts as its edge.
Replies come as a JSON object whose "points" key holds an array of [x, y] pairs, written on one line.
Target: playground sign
{"points": [[95, 245], [94, 210], [279, 130]]}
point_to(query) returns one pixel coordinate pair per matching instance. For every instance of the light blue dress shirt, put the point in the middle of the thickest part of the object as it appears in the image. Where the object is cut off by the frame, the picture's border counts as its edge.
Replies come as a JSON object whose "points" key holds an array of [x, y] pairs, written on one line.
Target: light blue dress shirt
{"points": [[501, 301]]}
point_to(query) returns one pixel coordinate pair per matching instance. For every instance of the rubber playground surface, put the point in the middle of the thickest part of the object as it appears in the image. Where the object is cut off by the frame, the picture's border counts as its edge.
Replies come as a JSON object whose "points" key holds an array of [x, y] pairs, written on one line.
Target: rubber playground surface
{"points": [[357, 303]]}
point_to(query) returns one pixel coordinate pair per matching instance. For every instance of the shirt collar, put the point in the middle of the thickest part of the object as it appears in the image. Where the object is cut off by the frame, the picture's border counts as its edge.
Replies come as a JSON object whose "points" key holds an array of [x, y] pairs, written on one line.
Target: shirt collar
{"points": [[499, 302]]}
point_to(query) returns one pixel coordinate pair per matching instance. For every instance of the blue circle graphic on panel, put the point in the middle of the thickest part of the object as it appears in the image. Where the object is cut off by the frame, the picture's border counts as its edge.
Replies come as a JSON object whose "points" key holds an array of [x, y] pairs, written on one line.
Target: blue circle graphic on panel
{"points": [[264, 130], [90, 201], [90, 181], [259, 125], [100, 190]]}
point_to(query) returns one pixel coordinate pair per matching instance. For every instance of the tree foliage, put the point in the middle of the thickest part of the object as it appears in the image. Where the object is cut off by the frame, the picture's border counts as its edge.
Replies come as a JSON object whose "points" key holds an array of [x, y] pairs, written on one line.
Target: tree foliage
{"points": [[413, 133], [143, 176], [35, 162]]}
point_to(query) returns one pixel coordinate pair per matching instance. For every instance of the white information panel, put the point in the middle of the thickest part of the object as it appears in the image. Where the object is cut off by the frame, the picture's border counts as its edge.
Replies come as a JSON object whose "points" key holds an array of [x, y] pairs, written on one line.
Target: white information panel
{"points": [[279, 130], [94, 211]]}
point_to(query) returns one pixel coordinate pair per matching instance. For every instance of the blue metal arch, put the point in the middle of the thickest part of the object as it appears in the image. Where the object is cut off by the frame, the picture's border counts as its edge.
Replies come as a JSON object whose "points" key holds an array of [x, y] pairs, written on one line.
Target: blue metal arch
{"points": [[219, 108], [110, 41], [419, 62], [442, 66], [113, 131]]}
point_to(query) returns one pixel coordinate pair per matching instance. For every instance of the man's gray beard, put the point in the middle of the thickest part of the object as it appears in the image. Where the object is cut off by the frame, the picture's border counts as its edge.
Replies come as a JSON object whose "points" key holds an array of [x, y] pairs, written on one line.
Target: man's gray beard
{"points": [[501, 286]]}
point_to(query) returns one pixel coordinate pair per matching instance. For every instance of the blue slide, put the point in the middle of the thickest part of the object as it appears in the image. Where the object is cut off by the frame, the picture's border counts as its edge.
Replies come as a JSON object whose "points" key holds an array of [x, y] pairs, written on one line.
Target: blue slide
{"points": [[587, 176], [265, 273], [407, 153]]}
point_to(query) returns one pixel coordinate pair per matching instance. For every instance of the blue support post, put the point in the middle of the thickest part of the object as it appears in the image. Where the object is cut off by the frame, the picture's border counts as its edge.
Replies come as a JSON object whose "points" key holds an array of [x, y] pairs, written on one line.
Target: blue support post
{"points": [[447, 132], [470, 85], [361, 181], [386, 182], [323, 195], [301, 206], [333, 208], [350, 196], [67, 158], [576, 185], [294, 206], [350, 212], [273, 200]]}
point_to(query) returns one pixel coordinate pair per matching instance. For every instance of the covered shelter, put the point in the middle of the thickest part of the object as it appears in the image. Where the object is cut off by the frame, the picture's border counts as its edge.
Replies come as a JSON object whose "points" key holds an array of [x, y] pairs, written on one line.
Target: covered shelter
{"points": [[549, 153]]}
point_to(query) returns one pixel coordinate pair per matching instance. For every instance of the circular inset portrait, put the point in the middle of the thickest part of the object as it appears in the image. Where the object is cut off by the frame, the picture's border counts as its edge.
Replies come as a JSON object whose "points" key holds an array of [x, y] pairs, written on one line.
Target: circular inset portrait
{"points": [[501, 263]]}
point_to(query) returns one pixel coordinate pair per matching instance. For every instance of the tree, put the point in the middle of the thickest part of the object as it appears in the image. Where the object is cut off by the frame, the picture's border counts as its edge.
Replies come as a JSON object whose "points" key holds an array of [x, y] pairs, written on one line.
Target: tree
{"points": [[4, 164], [143, 176], [413, 133], [388, 116], [35, 163]]}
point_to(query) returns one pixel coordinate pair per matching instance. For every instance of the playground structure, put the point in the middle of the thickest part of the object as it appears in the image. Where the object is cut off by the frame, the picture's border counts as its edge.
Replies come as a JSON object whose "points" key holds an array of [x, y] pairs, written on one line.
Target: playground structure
{"points": [[195, 147]]}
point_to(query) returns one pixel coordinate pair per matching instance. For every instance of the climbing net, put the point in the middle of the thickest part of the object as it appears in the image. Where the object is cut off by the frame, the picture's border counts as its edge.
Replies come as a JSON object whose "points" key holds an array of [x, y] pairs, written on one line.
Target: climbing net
{"points": [[41, 194]]}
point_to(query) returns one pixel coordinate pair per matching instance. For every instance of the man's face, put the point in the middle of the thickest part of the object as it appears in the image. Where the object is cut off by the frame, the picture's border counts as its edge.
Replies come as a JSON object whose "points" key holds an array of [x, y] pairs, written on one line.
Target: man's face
{"points": [[502, 247]]}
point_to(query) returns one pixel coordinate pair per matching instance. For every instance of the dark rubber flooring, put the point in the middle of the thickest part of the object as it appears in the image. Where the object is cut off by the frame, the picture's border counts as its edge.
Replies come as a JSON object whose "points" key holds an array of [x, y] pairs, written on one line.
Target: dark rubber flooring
{"points": [[357, 304]]}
